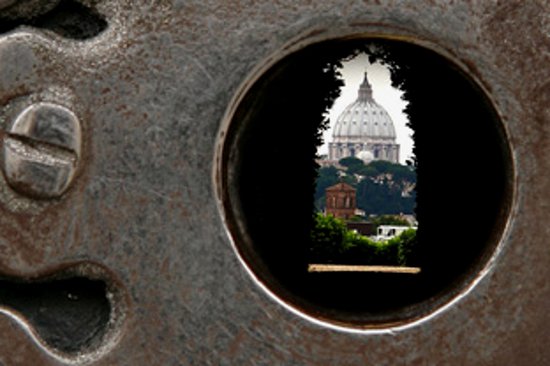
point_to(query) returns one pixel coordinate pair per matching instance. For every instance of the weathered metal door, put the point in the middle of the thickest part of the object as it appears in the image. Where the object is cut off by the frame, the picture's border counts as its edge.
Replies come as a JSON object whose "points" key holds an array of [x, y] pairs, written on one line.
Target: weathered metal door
{"points": [[114, 249]]}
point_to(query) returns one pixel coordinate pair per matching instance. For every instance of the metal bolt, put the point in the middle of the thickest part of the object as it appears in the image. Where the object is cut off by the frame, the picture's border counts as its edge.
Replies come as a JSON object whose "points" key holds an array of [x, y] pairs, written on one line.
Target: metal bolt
{"points": [[41, 151]]}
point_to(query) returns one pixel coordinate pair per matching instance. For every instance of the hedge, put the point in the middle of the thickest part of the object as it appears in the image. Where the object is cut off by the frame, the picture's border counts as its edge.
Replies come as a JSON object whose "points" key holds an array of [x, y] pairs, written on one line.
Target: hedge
{"points": [[332, 242]]}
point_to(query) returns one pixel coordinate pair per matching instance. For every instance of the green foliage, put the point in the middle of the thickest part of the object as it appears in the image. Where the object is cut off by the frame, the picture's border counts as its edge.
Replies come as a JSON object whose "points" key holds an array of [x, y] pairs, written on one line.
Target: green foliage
{"points": [[332, 242], [398, 172], [349, 179], [350, 161], [389, 220], [406, 246], [380, 185], [327, 176], [383, 197], [328, 236], [368, 171], [352, 164]]}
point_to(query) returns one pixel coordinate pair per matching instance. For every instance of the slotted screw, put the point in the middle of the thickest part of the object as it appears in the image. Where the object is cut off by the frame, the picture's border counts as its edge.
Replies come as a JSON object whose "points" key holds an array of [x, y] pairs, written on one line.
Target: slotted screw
{"points": [[42, 150]]}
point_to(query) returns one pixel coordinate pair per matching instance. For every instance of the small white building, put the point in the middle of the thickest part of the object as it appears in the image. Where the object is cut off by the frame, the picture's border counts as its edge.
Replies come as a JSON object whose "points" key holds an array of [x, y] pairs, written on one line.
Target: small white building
{"points": [[386, 232]]}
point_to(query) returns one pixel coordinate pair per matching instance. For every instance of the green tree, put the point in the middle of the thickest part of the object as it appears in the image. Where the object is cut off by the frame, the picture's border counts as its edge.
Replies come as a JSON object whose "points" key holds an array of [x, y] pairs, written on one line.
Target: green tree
{"points": [[406, 243], [389, 220], [332, 242], [398, 172], [379, 192], [383, 197], [327, 176], [368, 171], [328, 238], [350, 161], [352, 164]]}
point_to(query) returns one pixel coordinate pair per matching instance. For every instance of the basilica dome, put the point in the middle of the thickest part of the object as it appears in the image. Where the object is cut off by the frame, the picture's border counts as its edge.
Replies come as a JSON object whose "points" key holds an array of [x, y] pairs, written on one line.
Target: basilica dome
{"points": [[364, 126], [364, 118]]}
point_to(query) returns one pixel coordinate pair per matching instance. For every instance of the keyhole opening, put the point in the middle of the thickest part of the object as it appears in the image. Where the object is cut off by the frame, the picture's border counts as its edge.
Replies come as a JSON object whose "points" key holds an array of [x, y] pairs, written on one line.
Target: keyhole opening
{"points": [[269, 168]]}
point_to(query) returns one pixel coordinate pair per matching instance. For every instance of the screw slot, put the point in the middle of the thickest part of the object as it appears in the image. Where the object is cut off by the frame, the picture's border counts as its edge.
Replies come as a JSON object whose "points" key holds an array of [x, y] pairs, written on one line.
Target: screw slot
{"points": [[42, 150]]}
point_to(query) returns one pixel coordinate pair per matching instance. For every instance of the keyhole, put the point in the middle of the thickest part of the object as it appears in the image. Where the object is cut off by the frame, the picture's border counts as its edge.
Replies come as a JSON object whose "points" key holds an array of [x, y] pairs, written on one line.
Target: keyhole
{"points": [[463, 190], [74, 311]]}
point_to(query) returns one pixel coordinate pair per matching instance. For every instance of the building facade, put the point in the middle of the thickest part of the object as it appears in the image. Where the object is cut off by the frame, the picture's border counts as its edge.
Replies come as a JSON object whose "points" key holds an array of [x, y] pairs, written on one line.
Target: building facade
{"points": [[340, 201], [364, 130]]}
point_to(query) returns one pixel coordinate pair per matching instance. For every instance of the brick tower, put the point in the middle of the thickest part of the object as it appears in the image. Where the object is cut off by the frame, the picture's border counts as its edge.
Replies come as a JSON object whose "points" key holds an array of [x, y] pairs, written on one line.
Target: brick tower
{"points": [[340, 201]]}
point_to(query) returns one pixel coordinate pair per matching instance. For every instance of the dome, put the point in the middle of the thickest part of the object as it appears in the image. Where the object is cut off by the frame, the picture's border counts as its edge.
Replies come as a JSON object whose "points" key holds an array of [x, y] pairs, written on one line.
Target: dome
{"points": [[364, 118], [364, 128]]}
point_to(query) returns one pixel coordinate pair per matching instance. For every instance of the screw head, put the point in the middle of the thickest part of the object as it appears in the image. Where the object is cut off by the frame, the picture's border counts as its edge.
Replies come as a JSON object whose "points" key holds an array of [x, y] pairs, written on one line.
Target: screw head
{"points": [[42, 150]]}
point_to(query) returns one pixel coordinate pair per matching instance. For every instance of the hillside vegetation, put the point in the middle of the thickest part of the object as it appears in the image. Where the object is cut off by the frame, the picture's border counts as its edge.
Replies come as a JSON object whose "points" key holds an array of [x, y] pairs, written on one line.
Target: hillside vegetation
{"points": [[382, 187]]}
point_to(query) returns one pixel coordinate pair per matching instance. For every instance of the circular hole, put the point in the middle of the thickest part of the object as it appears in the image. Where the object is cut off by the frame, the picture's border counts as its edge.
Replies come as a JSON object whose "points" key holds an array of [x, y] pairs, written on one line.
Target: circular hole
{"points": [[268, 171]]}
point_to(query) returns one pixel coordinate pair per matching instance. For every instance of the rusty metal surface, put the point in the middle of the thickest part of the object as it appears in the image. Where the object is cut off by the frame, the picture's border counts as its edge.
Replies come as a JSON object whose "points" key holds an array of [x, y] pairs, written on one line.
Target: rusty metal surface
{"points": [[41, 151], [151, 93]]}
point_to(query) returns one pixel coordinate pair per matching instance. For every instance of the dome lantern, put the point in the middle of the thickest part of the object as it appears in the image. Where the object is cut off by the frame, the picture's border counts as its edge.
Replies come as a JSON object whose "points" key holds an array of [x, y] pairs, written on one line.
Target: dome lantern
{"points": [[365, 91]]}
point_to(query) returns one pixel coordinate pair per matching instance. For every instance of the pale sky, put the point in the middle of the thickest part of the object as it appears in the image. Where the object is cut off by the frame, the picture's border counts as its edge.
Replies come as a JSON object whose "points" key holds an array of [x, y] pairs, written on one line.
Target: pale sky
{"points": [[383, 93]]}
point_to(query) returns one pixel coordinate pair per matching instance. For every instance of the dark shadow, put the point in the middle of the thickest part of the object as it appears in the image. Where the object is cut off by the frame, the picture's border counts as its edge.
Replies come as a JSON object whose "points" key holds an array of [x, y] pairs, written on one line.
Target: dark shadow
{"points": [[464, 181], [69, 314], [69, 19]]}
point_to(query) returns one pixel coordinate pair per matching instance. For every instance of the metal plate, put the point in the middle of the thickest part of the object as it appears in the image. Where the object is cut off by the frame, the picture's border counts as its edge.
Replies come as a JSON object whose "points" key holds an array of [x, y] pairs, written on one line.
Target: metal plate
{"points": [[151, 92]]}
